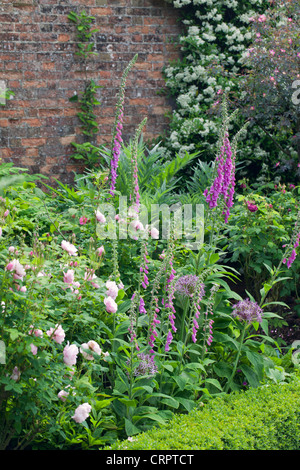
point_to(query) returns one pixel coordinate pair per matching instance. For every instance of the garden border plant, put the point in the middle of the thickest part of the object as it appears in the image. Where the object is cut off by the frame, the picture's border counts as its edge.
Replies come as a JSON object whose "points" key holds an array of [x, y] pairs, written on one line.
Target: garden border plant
{"points": [[215, 39], [265, 418], [96, 352]]}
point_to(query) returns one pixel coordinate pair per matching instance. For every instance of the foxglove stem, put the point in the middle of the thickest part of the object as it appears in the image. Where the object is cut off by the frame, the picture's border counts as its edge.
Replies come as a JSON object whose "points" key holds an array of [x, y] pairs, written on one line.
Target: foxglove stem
{"points": [[118, 126], [185, 310], [209, 310], [135, 194]]}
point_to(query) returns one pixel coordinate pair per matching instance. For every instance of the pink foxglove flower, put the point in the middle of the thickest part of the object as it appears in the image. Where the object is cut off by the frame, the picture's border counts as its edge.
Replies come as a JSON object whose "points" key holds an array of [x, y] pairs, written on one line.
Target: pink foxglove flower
{"points": [[110, 304], [291, 258], [70, 354], [168, 342], [82, 412], [100, 250], [57, 334], [67, 246], [90, 346], [251, 207]]}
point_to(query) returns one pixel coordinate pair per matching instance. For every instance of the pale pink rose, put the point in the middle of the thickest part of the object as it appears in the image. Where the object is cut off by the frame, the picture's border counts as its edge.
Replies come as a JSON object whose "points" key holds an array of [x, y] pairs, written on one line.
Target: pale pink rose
{"points": [[62, 395], [70, 354], [90, 346], [20, 271], [16, 374], [69, 276], [21, 289], [11, 249], [67, 246], [57, 334], [137, 225], [100, 217], [94, 284], [33, 349], [110, 304], [6, 213], [154, 232], [9, 266], [82, 412], [75, 285], [91, 277], [36, 332], [17, 277], [112, 289], [16, 266]]}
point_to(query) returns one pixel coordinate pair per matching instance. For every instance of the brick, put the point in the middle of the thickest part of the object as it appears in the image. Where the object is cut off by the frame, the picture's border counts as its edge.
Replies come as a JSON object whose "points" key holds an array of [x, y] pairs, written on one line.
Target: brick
{"points": [[33, 142], [38, 62], [67, 140]]}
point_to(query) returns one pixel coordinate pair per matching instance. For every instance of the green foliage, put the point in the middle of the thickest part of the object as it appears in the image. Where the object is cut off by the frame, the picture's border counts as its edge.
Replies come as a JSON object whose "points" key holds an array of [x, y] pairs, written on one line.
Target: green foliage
{"points": [[87, 99], [158, 179], [265, 418], [214, 43], [87, 102], [84, 33], [273, 65], [144, 348], [5, 94], [257, 240]]}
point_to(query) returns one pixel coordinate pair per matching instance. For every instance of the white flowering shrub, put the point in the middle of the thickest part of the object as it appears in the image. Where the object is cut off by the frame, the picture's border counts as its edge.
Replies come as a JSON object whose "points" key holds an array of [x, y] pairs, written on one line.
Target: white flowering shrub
{"points": [[215, 38]]}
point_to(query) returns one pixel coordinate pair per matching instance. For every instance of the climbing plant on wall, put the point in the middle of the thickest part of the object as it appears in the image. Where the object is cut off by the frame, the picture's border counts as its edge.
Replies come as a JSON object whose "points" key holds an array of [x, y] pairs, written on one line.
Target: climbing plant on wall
{"points": [[87, 99]]}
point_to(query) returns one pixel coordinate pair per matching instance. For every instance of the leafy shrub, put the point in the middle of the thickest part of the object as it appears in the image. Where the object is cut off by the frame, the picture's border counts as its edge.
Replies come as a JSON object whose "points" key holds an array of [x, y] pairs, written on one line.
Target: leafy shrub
{"points": [[258, 233], [265, 418], [108, 333]]}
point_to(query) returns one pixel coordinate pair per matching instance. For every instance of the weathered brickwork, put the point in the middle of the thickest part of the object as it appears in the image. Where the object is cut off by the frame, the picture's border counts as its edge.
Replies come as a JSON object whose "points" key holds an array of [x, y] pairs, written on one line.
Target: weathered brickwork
{"points": [[38, 63]]}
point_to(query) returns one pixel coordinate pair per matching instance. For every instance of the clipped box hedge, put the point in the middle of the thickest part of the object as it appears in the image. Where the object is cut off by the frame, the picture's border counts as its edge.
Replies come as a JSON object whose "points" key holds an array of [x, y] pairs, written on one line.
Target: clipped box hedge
{"points": [[264, 418]]}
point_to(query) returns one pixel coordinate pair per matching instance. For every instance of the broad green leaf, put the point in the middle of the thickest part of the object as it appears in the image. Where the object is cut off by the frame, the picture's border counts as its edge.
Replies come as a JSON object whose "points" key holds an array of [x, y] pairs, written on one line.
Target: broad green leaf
{"points": [[215, 383], [250, 375], [130, 428]]}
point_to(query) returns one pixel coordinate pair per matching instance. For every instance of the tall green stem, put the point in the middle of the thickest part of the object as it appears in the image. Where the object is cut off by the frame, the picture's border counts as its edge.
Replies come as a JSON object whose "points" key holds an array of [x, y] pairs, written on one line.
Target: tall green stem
{"points": [[237, 358]]}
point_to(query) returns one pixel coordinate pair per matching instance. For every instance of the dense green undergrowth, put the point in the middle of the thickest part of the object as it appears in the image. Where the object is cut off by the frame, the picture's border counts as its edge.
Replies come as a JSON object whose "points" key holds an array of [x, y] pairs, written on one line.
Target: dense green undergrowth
{"points": [[265, 418]]}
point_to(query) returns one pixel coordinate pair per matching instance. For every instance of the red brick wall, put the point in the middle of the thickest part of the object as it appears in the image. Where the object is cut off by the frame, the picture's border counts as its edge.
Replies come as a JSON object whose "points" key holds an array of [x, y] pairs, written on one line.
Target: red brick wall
{"points": [[37, 62]]}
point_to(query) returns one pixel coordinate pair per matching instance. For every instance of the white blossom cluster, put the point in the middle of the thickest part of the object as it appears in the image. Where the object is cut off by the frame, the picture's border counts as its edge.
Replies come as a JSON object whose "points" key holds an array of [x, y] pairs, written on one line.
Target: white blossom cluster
{"points": [[212, 47]]}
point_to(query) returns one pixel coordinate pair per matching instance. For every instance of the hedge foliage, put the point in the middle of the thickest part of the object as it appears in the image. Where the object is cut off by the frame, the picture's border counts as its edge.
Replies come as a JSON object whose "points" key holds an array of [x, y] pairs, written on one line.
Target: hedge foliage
{"points": [[264, 418]]}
